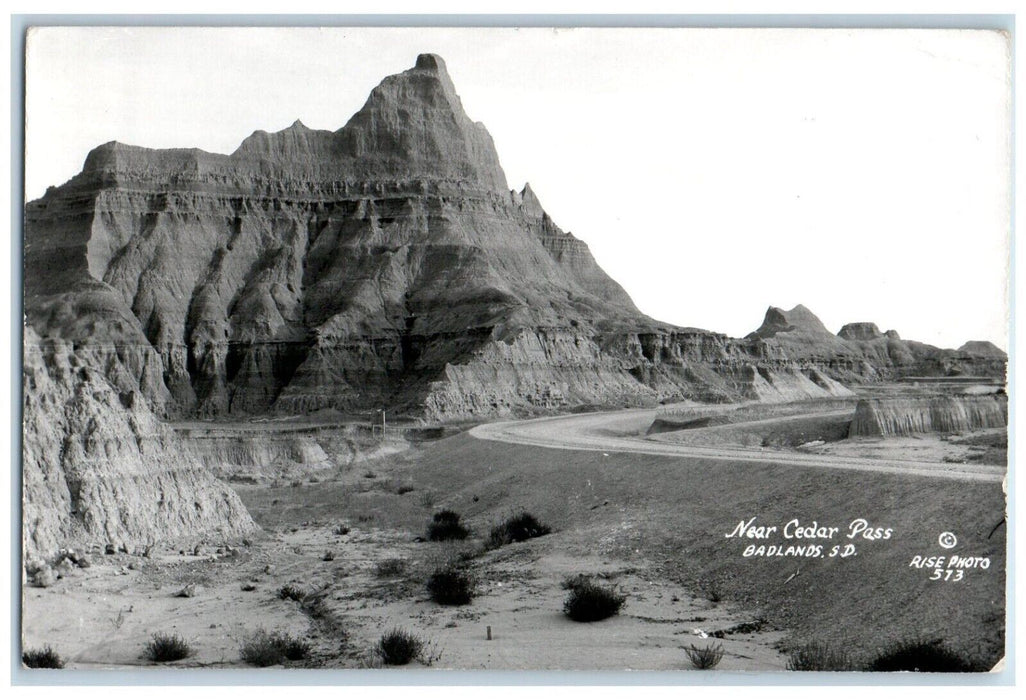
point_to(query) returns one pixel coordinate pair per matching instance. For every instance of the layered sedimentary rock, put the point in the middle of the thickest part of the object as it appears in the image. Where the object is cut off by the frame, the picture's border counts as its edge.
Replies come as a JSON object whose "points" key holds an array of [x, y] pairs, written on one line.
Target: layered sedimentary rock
{"points": [[382, 265], [99, 467], [264, 454], [861, 353], [385, 264], [946, 413]]}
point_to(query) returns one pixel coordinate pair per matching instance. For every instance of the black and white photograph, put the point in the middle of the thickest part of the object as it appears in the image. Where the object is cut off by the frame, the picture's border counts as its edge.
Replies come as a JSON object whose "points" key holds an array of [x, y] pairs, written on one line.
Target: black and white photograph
{"points": [[663, 349]]}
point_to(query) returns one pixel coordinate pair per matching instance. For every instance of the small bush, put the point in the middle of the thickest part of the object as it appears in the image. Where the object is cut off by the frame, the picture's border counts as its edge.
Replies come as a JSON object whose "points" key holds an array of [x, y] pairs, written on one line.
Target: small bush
{"points": [[818, 656], [265, 649], [590, 602], [260, 650], [390, 567], [517, 528], [446, 525], [290, 592], [404, 489], [292, 648], [450, 586], [42, 658], [705, 658], [167, 647], [924, 656], [398, 647]]}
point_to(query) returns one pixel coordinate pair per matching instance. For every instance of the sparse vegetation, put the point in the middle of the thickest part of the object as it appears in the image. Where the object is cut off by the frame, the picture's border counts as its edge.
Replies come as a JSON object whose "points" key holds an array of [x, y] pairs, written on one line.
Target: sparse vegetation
{"points": [[291, 592], [450, 586], [390, 567], [519, 527], [341, 529], [924, 656], [446, 525], [167, 647], [263, 648], [819, 656], [705, 657], [42, 658], [398, 647], [590, 602], [403, 489]]}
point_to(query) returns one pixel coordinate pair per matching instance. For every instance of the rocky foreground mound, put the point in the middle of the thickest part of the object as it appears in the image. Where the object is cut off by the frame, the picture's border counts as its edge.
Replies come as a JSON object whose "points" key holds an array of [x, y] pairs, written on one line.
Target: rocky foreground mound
{"points": [[99, 468], [385, 264], [912, 415]]}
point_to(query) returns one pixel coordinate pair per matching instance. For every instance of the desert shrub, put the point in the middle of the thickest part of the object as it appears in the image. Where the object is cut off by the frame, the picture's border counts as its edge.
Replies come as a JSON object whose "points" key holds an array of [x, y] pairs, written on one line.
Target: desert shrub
{"points": [[819, 656], [590, 602], [390, 567], [259, 649], [341, 529], [919, 655], [517, 528], [706, 657], [167, 647], [290, 592], [42, 658], [403, 489], [446, 525], [292, 648], [398, 647], [450, 586], [263, 648]]}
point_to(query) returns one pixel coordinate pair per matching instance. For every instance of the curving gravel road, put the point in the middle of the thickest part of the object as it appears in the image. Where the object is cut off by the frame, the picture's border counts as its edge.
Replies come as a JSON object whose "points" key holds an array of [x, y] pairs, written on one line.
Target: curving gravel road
{"points": [[623, 431]]}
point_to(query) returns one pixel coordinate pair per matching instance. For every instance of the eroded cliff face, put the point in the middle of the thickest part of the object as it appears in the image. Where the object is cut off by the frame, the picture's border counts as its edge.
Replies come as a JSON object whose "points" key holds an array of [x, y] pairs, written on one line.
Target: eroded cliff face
{"points": [[949, 413], [860, 353], [385, 264], [98, 467]]}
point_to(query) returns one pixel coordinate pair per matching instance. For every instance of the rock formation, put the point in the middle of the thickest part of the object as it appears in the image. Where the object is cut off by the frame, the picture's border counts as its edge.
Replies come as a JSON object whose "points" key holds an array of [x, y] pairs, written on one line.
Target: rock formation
{"points": [[861, 353], [946, 413], [385, 264], [100, 468]]}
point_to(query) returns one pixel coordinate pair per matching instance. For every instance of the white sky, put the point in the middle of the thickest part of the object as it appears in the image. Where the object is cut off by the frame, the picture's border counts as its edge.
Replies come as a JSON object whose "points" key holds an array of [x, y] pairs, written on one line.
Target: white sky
{"points": [[713, 173]]}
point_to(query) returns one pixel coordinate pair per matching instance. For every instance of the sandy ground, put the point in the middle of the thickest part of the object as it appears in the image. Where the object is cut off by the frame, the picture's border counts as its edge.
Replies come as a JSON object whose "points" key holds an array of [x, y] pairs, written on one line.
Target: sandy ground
{"points": [[640, 537], [105, 615]]}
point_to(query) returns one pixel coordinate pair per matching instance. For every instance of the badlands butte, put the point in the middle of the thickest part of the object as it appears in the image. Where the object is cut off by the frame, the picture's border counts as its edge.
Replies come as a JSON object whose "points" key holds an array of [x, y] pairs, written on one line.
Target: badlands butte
{"points": [[174, 295]]}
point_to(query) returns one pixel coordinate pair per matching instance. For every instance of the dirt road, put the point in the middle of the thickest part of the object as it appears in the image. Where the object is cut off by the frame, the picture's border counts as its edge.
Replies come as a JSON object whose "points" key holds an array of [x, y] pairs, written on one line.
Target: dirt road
{"points": [[623, 431]]}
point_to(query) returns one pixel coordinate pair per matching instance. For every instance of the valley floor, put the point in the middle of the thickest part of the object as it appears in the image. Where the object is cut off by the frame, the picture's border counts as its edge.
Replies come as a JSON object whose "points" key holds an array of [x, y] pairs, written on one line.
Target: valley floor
{"points": [[655, 522]]}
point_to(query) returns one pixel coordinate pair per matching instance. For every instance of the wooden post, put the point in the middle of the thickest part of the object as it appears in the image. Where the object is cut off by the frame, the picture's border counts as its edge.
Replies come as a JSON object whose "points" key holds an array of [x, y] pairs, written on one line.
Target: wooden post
{"points": [[489, 633]]}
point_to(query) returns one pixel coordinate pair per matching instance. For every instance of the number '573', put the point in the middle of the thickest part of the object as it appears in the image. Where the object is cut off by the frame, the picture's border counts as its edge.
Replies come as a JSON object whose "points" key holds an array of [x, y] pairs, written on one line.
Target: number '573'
{"points": [[947, 575]]}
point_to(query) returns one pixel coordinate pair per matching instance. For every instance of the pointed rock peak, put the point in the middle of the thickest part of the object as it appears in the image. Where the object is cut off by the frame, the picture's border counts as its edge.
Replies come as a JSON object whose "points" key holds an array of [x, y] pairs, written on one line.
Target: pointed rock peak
{"points": [[861, 330], [298, 126], [530, 202], [413, 126], [432, 62]]}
